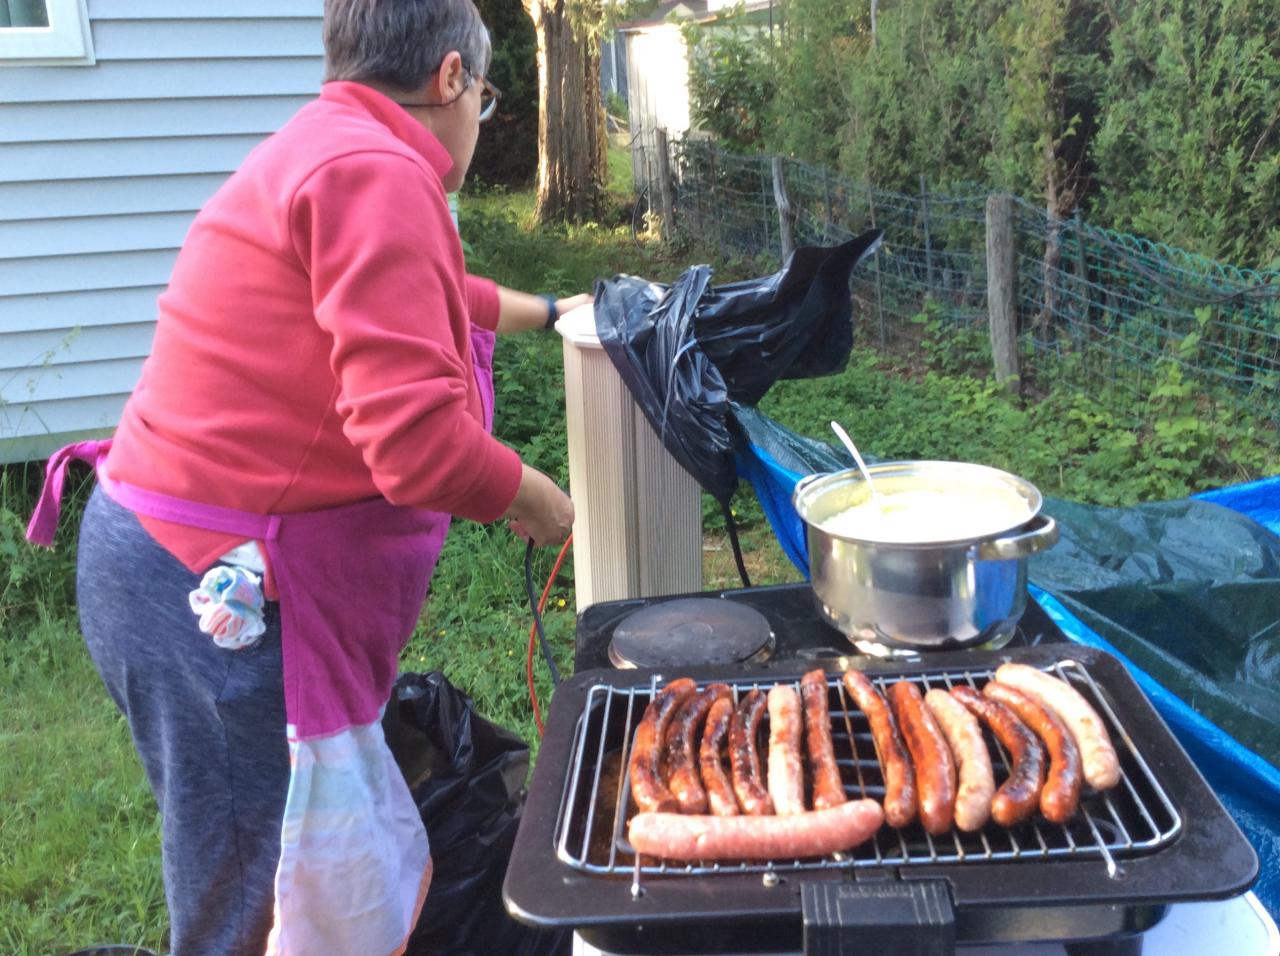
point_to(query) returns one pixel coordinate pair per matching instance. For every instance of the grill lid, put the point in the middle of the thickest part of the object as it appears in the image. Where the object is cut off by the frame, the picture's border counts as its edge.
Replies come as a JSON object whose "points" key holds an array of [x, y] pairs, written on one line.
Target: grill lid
{"points": [[691, 632]]}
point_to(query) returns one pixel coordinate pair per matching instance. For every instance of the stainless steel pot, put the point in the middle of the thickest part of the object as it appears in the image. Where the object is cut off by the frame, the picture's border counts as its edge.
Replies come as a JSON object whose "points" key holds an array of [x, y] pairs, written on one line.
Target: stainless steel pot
{"points": [[937, 595]]}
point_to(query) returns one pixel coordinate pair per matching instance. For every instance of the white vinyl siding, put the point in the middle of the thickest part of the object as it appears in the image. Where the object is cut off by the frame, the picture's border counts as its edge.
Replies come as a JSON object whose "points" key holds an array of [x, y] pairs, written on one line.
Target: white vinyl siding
{"points": [[102, 169]]}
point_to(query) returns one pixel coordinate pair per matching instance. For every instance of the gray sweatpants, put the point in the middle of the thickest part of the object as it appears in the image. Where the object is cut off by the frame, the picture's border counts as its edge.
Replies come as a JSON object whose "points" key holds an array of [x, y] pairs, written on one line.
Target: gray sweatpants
{"points": [[208, 723]]}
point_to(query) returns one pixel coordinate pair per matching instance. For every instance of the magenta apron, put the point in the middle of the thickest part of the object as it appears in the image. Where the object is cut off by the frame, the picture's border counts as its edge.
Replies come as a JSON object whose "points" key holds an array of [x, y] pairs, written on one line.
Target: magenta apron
{"points": [[354, 864]]}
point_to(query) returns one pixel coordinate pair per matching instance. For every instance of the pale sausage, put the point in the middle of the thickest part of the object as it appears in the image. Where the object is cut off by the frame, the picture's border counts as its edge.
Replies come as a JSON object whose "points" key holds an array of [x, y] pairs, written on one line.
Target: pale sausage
{"points": [[786, 769], [677, 836], [977, 783]]}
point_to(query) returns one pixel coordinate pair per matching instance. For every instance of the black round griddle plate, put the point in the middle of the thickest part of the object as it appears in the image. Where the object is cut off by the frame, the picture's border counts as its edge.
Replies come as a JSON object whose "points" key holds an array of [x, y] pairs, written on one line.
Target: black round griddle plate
{"points": [[691, 632]]}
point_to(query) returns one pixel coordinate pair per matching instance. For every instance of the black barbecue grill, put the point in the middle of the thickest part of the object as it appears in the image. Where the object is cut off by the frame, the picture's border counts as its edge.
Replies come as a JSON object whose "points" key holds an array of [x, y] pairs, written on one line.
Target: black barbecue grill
{"points": [[1161, 836]]}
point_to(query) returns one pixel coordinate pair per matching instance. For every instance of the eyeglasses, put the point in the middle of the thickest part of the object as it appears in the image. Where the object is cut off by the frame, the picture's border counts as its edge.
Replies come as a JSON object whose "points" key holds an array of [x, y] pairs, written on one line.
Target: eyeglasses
{"points": [[489, 96]]}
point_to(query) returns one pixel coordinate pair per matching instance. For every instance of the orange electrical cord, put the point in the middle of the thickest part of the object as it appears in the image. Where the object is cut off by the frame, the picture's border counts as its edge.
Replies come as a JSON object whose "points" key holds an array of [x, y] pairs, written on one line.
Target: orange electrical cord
{"points": [[533, 633]]}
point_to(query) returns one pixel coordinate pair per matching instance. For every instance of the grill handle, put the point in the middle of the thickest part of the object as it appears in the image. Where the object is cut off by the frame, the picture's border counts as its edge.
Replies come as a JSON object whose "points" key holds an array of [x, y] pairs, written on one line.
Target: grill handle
{"points": [[902, 917]]}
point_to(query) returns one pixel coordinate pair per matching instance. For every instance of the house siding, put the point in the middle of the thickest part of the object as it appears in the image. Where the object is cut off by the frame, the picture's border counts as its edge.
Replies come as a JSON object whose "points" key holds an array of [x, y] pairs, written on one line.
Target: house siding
{"points": [[102, 169]]}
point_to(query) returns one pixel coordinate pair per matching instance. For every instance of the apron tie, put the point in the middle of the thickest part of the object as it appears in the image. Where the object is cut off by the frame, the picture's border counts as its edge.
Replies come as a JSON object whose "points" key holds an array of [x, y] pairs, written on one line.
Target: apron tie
{"points": [[44, 520]]}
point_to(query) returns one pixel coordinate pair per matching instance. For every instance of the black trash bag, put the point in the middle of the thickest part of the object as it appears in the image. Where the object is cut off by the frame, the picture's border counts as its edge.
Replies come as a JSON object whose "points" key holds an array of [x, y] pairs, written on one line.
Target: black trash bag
{"points": [[467, 776], [687, 350]]}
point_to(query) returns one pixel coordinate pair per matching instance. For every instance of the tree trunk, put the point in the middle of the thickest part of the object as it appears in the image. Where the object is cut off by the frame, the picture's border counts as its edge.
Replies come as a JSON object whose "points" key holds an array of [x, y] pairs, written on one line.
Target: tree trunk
{"points": [[571, 128]]}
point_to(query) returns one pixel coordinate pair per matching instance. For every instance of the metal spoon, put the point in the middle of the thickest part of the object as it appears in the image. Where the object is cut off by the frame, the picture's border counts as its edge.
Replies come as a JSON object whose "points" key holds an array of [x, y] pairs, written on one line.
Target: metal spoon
{"points": [[862, 465]]}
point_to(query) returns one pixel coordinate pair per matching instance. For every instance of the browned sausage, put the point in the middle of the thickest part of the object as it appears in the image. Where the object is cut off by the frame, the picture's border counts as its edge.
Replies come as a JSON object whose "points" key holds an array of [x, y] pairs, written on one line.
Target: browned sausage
{"points": [[647, 788], [744, 757], [786, 767], [895, 764], [828, 790], [1061, 794], [683, 779], [1019, 795], [935, 767], [977, 783], [677, 836], [714, 777], [1098, 758]]}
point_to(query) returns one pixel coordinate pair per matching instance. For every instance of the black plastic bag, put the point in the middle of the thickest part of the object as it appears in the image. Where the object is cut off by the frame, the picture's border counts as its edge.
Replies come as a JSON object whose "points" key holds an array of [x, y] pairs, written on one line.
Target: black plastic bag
{"points": [[467, 776], [687, 350]]}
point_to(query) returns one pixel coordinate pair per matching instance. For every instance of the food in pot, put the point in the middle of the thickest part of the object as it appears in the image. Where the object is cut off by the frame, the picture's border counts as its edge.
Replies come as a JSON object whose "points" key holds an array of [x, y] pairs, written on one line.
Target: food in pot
{"points": [[744, 757], [828, 789], [976, 780], [935, 766], [899, 775], [1061, 794], [684, 777], [676, 836], [924, 515], [1019, 795], [1098, 756], [647, 787], [786, 771], [711, 762]]}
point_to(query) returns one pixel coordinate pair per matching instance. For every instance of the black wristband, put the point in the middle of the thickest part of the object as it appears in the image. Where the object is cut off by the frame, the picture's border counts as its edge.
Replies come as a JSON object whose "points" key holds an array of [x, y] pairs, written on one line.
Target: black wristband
{"points": [[552, 313]]}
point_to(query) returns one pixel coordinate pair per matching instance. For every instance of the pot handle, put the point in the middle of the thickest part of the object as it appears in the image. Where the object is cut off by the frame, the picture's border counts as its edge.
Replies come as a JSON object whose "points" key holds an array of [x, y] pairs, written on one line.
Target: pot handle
{"points": [[1041, 533], [805, 482]]}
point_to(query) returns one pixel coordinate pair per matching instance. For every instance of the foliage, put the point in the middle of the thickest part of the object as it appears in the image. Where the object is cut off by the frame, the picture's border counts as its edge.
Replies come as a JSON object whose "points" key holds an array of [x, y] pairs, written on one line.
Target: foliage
{"points": [[731, 79], [507, 150], [1188, 147], [1160, 117]]}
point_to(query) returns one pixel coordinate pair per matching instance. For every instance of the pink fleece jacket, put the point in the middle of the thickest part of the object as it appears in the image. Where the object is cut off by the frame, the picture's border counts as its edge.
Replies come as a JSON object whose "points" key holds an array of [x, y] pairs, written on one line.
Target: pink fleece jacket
{"points": [[313, 345]]}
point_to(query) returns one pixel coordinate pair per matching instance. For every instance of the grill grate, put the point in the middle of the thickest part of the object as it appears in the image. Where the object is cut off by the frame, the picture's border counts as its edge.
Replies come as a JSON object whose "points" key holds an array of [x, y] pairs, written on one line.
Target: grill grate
{"points": [[1134, 818]]}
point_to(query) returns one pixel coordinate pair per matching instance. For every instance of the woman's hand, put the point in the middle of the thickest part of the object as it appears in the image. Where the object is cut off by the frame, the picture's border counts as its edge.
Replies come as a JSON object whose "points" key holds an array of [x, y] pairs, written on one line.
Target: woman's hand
{"points": [[522, 312], [541, 512], [572, 302]]}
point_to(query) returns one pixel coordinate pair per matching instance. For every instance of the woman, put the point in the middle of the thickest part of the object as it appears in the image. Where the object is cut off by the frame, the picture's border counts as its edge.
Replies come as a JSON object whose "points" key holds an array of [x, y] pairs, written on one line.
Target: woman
{"points": [[314, 409]]}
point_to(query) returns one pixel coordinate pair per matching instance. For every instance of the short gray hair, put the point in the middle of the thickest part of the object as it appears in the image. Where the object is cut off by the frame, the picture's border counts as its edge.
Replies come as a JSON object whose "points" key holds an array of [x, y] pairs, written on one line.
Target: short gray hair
{"points": [[400, 43]]}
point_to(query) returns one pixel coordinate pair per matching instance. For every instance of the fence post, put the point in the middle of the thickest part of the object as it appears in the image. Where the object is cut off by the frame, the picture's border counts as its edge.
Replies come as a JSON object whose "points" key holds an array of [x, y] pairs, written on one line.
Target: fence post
{"points": [[871, 206], [928, 244], [717, 213], [665, 185], [1002, 285], [783, 202], [828, 226], [1082, 279]]}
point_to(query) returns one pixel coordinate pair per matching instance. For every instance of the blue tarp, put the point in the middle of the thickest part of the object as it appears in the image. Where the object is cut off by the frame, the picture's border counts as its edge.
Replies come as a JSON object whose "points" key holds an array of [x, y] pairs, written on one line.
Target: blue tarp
{"points": [[1248, 784]]}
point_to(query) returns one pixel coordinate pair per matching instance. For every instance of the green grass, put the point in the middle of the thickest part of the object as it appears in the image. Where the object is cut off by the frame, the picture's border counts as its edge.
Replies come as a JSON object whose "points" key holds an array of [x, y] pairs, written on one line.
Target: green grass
{"points": [[79, 858]]}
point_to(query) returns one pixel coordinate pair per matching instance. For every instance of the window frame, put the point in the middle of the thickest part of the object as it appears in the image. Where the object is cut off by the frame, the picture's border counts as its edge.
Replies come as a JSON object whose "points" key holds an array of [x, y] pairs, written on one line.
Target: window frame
{"points": [[66, 41]]}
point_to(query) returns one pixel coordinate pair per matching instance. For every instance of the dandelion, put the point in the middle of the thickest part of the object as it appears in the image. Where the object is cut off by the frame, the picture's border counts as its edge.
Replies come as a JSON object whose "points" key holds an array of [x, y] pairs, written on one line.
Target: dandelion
{"points": [[561, 603]]}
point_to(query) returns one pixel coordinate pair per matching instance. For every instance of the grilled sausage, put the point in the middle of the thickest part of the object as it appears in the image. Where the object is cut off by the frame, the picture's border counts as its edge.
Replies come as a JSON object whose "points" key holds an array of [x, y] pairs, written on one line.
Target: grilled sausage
{"points": [[677, 836], [714, 777], [1061, 794], [1097, 755], [1019, 795], [935, 767], [683, 777], [828, 790], [786, 769], [977, 783], [647, 788], [744, 757], [895, 764]]}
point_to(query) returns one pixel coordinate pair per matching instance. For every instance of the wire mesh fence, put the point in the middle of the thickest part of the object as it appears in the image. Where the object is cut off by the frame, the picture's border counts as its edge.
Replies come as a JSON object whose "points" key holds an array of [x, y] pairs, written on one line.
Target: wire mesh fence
{"points": [[1102, 310]]}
